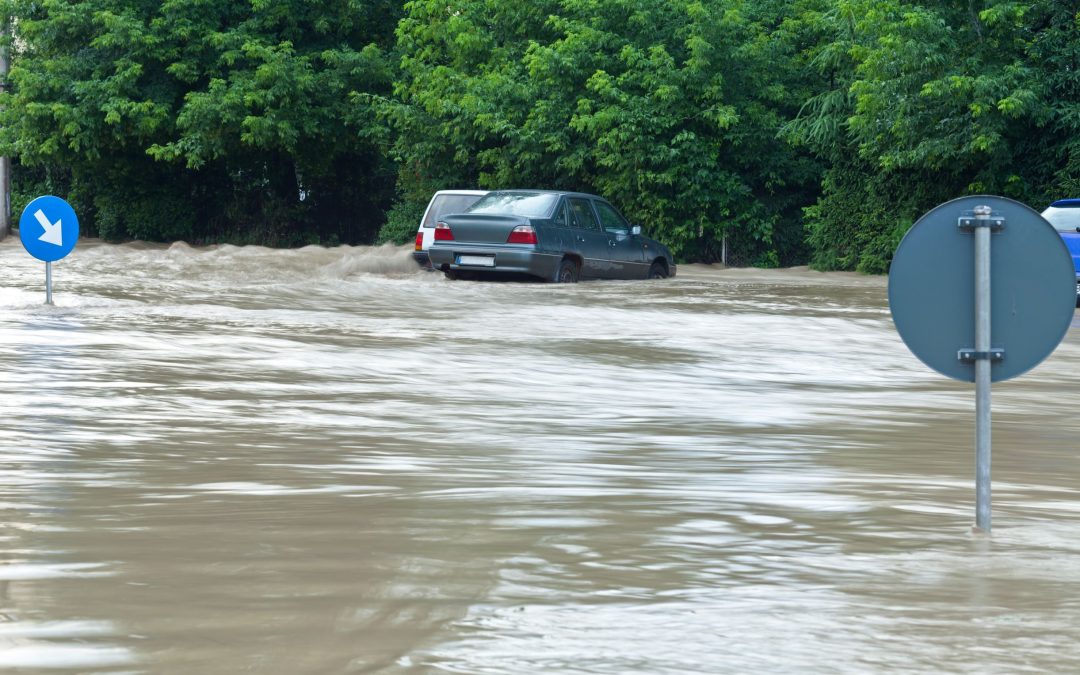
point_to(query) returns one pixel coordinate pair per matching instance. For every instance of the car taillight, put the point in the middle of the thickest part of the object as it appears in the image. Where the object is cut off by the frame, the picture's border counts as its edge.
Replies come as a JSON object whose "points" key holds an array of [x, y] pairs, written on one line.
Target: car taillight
{"points": [[522, 234], [420, 241], [443, 232]]}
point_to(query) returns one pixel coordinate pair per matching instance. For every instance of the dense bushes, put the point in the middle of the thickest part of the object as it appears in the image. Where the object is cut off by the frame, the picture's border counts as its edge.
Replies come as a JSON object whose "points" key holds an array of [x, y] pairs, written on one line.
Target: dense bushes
{"points": [[932, 102], [670, 109], [211, 120], [814, 130]]}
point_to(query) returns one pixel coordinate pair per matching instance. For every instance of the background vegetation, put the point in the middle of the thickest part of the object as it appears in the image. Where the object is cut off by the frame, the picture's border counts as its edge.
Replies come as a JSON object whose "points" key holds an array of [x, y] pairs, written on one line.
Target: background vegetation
{"points": [[813, 130]]}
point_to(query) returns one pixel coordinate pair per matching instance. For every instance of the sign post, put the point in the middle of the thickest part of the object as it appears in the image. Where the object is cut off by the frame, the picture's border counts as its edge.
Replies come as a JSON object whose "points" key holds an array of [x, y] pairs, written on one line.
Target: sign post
{"points": [[973, 325], [49, 230], [981, 225]]}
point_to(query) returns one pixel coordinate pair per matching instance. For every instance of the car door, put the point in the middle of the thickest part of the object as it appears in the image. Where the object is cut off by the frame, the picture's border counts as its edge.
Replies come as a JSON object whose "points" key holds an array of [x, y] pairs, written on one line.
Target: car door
{"points": [[626, 252], [591, 240]]}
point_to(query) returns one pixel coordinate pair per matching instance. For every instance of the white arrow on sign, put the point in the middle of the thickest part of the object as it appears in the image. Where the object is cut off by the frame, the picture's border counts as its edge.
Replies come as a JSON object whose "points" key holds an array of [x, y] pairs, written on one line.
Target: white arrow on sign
{"points": [[54, 234]]}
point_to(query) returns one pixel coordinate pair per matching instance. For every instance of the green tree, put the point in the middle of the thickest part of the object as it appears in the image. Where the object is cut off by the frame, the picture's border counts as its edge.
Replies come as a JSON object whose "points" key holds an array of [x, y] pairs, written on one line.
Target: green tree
{"points": [[206, 119], [930, 102], [1054, 53], [669, 108]]}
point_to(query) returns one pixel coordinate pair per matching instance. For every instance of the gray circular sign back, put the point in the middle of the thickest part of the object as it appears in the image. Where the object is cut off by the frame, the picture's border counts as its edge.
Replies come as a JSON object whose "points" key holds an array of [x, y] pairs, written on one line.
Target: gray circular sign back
{"points": [[932, 288]]}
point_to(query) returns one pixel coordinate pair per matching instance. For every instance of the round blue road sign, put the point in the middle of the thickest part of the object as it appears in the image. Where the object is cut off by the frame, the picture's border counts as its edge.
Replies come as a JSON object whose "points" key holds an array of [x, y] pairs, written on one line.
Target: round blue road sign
{"points": [[48, 228]]}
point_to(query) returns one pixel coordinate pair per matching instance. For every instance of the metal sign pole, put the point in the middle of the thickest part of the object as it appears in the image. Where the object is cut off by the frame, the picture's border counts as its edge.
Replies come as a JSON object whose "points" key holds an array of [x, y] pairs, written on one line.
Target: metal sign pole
{"points": [[982, 369], [48, 283]]}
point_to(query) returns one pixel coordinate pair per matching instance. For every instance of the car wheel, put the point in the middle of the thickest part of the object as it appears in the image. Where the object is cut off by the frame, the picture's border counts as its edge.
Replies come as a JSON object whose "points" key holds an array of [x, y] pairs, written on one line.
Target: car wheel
{"points": [[450, 274], [657, 271], [568, 273]]}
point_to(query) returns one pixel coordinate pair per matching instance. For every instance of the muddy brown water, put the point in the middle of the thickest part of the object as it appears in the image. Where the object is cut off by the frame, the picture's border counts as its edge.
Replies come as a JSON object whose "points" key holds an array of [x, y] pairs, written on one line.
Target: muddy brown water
{"points": [[234, 460]]}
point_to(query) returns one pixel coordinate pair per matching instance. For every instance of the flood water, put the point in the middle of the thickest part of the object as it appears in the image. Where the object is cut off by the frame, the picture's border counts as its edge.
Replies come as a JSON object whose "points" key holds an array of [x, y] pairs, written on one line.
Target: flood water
{"points": [[234, 460]]}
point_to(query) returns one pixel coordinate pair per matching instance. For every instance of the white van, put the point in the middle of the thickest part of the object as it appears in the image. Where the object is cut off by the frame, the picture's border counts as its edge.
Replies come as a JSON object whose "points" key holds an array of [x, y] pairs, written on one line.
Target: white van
{"points": [[442, 203]]}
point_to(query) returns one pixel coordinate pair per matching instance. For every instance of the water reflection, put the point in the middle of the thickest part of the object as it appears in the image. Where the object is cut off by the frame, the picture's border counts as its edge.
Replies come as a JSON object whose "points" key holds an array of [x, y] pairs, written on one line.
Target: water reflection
{"points": [[321, 460]]}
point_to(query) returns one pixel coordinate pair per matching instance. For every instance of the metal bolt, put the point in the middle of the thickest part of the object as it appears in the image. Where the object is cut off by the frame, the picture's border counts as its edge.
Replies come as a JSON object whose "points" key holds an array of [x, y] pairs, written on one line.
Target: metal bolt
{"points": [[982, 212]]}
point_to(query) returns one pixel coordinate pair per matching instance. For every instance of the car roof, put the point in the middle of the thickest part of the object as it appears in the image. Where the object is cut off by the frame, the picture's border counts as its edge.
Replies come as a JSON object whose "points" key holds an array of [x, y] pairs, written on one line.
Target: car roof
{"points": [[1066, 204], [567, 193], [461, 192]]}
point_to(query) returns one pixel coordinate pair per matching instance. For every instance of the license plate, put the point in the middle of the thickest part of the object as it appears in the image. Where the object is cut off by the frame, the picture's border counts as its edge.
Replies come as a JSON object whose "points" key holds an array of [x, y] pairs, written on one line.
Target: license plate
{"points": [[480, 260]]}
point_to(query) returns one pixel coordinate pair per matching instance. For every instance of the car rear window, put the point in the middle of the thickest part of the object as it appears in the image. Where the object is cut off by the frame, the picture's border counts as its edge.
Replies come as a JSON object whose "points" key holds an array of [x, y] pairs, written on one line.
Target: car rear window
{"points": [[1063, 219], [527, 204], [442, 205]]}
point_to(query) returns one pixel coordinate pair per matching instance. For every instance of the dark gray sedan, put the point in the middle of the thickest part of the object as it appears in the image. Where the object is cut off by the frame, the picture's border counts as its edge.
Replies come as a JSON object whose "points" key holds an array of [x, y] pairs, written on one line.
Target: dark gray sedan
{"points": [[555, 236]]}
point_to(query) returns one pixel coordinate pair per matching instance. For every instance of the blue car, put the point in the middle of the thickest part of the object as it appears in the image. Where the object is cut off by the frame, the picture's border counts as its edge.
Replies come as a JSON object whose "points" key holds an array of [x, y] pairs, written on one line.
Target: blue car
{"points": [[1064, 215]]}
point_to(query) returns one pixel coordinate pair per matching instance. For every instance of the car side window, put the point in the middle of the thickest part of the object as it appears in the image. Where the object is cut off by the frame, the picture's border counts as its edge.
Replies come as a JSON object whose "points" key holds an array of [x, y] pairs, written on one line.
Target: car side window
{"points": [[583, 214], [1063, 220], [561, 217], [610, 218], [442, 205]]}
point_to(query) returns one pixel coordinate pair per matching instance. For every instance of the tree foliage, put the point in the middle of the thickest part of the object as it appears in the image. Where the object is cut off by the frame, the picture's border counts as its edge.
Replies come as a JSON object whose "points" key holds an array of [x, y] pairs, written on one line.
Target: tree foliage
{"points": [[801, 130], [670, 109], [205, 119], [929, 102]]}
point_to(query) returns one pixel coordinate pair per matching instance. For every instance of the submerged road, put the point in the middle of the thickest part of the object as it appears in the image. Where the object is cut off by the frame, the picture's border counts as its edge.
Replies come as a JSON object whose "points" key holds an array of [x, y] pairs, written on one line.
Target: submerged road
{"points": [[323, 460]]}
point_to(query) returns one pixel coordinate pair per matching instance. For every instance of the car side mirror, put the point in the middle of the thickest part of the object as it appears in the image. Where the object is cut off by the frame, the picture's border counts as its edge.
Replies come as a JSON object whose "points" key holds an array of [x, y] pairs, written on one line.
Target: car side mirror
{"points": [[635, 230]]}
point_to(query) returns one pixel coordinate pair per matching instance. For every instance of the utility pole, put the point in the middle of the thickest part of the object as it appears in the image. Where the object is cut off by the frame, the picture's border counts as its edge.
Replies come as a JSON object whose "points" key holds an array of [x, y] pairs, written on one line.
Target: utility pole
{"points": [[5, 162]]}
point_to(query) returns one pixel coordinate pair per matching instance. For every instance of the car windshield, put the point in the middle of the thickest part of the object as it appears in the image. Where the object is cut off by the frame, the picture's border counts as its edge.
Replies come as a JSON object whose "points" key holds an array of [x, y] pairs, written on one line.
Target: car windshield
{"points": [[528, 204], [1063, 219]]}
